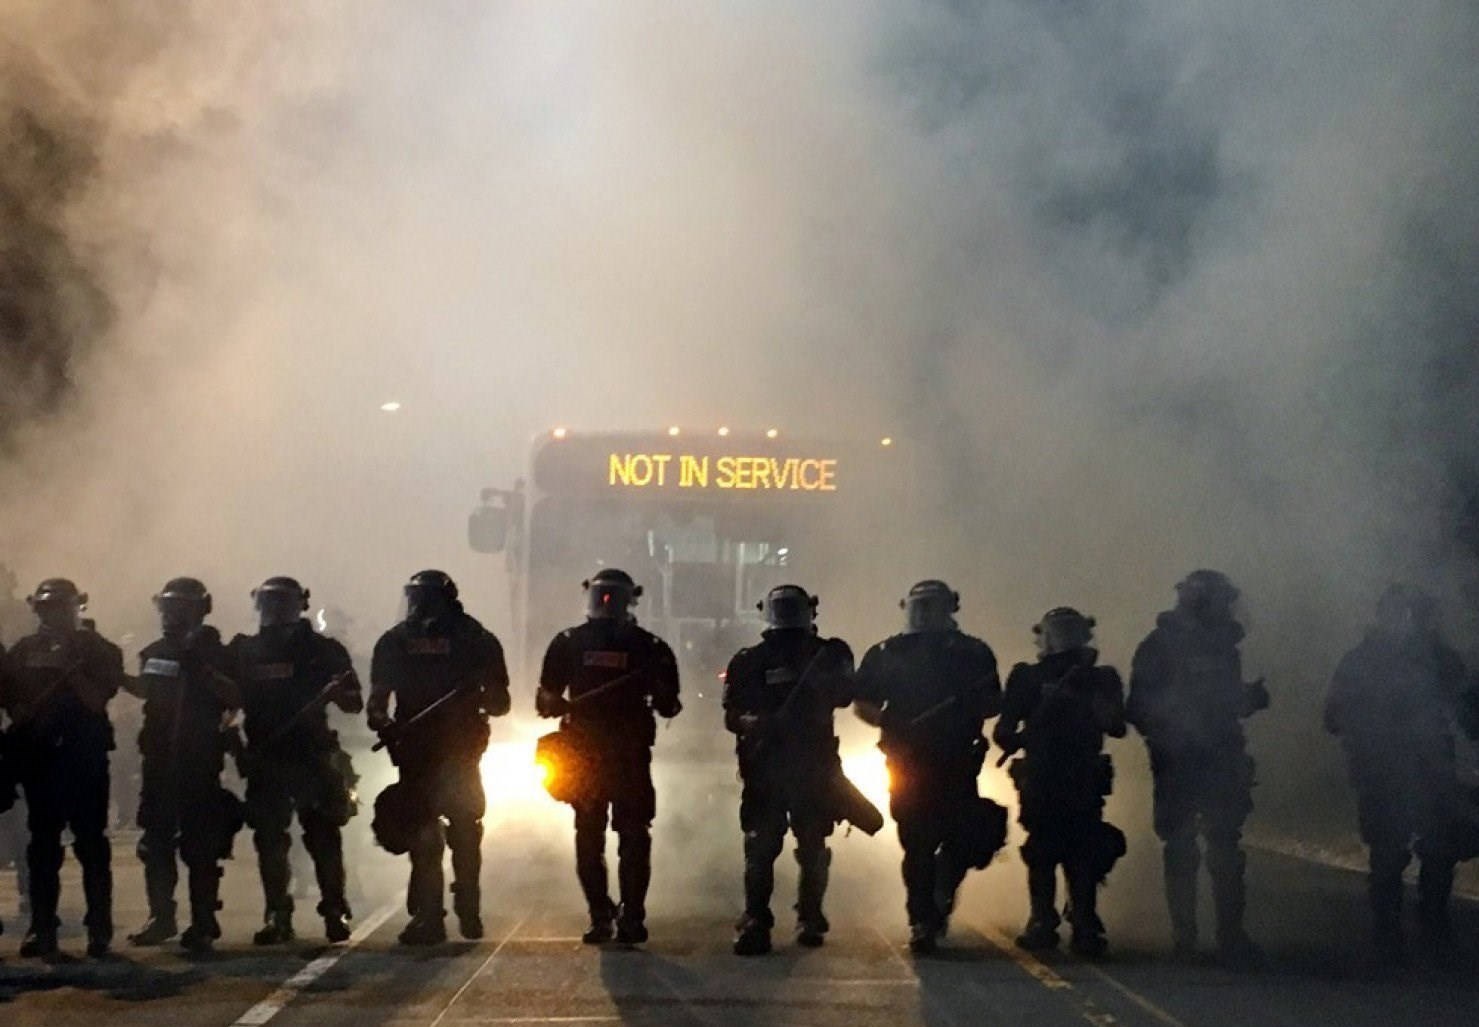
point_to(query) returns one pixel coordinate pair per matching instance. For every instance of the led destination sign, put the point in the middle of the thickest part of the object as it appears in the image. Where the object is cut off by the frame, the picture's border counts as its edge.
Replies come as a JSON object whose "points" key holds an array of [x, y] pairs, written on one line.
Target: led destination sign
{"points": [[701, 472]]}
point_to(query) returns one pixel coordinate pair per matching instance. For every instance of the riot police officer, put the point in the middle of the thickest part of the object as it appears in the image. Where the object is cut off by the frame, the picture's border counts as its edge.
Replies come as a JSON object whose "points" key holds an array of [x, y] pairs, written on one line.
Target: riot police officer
{"points": [[778, 701], [1056, 712], [930, 690], [1394, 703], [1188, 699], [188, 701], [293, 762], [606, 678], [56, 687], [447, 676]]}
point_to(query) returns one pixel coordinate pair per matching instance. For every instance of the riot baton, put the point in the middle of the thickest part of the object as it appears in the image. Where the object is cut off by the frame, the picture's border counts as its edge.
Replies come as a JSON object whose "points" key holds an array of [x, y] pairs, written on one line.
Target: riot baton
{"points": [[307, 708], [420, 716]]}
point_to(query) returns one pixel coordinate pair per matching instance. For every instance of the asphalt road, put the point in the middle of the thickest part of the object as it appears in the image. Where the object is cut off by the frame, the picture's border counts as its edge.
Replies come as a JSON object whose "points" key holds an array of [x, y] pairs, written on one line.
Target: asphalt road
{"points": [[532, 969]]}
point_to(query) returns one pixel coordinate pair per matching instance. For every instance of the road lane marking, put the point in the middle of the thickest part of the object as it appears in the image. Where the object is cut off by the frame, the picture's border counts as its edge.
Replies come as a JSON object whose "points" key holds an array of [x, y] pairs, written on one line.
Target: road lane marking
{"points": [[1050, 979], [478, 972], [295, 985], [1134, 996]]}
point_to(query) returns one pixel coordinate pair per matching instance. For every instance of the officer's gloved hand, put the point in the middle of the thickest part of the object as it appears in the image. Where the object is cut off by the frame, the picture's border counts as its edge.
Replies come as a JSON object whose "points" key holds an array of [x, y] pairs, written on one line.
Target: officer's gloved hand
{"points": [[668, 708], [747, 722], [379, 720], [550, 704], [497, 702], [1255, 697]]}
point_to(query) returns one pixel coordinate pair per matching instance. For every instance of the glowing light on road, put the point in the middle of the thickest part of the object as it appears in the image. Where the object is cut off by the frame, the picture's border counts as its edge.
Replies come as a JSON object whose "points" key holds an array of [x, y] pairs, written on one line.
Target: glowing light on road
{"points": [[673, 431], [723, 432], [560, 433], [886, 441], [771, 433], [390, 407], [866, 769]]}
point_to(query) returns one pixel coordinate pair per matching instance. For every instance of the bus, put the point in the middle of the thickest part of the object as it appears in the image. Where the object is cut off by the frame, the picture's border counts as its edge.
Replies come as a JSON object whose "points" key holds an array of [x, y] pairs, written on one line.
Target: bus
{"points": [[705, 522]]}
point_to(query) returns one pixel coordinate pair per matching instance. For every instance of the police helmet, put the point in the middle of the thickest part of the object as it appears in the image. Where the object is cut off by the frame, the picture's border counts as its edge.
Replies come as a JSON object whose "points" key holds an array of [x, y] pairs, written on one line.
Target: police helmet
{"points": [[57, 590], [788, 606], [1206, 588], [1063, 629], [281, 585], [931, 605], [189, 592], [439, 582], [610, 594]]}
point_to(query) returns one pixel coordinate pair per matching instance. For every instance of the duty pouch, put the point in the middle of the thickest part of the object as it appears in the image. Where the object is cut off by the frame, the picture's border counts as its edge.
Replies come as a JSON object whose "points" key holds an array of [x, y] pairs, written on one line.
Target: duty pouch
{"points": [[337, 799]]}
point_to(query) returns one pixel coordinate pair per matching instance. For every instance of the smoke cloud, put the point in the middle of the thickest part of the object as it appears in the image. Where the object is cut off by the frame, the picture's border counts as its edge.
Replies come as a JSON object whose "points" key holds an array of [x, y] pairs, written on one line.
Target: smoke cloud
{"points": [[1139, 285]]}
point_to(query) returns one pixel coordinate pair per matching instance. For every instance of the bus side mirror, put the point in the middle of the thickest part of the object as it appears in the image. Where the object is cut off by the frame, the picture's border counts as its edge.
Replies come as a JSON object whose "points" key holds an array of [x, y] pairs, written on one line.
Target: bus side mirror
{"points": [[487, 529]]}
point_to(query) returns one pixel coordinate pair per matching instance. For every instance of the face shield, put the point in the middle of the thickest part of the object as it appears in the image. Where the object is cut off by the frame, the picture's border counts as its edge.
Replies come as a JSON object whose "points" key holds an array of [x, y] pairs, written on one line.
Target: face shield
{"points": [[278, 609], [425, 603], [788, 608], [58, 612], [610, 600], [179, 615], [930, 611], [1063, 632]]}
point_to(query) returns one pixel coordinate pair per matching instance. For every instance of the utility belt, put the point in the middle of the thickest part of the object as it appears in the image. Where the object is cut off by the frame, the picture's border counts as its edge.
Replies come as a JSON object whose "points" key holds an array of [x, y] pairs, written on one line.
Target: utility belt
{"points": [[1093, 777]]}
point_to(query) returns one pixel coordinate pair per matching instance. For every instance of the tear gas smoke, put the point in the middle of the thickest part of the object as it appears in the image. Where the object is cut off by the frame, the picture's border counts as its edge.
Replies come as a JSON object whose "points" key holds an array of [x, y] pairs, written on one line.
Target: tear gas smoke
{"points": [[1142, 286]]}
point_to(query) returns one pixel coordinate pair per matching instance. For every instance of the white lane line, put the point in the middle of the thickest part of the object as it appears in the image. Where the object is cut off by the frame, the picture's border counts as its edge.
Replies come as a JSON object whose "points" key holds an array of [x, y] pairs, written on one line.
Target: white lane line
{"points": [[478, 972], [295, 985], [1134, 996]]}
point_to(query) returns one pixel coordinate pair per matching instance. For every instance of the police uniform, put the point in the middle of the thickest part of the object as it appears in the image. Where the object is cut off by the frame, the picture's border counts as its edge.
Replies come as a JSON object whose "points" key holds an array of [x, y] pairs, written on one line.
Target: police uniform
{"points": [[786, 689], [56, 687], [293, 762], [935, 689], [620, 730], [182, 808], [1394, 702], [1056, 712], [420, 664], [1188, 699]]}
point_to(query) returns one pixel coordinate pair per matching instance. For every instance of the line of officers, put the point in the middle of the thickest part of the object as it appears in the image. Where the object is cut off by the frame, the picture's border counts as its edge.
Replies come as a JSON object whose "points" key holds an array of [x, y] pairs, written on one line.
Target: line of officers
{"points": [[1397, 702]]}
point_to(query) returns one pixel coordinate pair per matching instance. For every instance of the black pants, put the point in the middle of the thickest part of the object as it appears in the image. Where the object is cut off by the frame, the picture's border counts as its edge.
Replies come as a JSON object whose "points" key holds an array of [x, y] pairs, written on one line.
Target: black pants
{"points": [[450, 791], [69, 790], [626, 799], [182, 819], [930, 803], [1395, 826], [765, 815], [1207, 794], [275, 792]]}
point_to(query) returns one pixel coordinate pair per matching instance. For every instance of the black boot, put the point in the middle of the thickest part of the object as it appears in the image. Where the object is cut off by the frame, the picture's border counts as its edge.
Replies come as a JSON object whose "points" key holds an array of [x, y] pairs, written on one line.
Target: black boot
{"points": [[1083, 914], [634, 874], [1041, 932], [752, 936], [602, 927], [1226, 866], [466, 903], [277, 929], [811, 889], [1182, 860], [158, 929], [1434, 888], [160, 878], [424, 929]]}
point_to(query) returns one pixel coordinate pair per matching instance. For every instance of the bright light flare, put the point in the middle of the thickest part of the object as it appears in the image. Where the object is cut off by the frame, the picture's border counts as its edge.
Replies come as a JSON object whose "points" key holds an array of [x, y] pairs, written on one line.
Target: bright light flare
{"points": [[560, 433], [771, 433], [886, 441], [511, 775], [723, 433], [674, 431], [867, 769], [390, 406]]}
